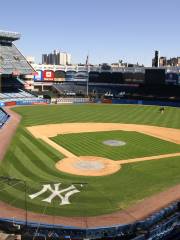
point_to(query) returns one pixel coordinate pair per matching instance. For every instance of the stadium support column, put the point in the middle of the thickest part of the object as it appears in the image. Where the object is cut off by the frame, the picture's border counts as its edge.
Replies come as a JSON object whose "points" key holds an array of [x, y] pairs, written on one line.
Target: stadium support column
{"points": [[87, 90]]}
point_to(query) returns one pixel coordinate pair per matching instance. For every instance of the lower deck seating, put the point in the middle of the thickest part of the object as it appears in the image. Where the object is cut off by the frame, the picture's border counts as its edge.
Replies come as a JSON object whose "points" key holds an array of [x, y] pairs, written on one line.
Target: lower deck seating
{"points": [[3, 117], [16, 95]]}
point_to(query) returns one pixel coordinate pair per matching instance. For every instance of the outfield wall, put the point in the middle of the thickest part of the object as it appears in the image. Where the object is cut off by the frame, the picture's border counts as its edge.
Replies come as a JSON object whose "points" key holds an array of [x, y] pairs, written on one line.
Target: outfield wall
{"points": [[24, 102], [140, 102], [86, 100]]}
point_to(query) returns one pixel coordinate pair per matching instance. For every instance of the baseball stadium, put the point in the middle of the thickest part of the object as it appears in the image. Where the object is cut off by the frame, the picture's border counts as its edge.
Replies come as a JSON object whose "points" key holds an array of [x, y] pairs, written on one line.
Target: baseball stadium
{"points": [[85, 167]]}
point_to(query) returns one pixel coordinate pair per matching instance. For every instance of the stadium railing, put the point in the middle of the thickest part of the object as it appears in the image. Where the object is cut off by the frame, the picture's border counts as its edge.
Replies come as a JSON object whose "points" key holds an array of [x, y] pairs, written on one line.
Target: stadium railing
{"points": [[3, 117], [156, 226]]}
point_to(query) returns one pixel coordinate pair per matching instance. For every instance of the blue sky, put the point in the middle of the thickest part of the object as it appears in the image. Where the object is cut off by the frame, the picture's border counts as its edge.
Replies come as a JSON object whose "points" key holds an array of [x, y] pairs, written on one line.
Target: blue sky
{"points": [[108, 30]]}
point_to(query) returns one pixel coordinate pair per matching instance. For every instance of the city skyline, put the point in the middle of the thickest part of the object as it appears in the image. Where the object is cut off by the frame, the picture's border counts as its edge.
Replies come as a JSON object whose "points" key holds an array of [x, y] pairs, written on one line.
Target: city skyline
{"points": [[105, 30], [57, 58]]}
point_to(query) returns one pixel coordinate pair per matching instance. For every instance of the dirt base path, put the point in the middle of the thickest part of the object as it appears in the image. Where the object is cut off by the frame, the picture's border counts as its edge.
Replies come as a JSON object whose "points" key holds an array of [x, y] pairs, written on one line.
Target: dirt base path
{"points": [[133, 160], [58, 147], [79, 165], [8, 131], [51, 130]]}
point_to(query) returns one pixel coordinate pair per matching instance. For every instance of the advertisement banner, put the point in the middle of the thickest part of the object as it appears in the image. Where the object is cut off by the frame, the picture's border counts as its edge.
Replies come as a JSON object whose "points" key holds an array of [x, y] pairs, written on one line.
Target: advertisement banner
{"points": [[38, 76], [48, 75]]}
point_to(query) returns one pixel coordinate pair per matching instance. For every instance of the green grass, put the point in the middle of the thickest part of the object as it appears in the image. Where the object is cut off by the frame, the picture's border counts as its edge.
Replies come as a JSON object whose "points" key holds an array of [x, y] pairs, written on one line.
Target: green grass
{"points": [[33, 161], [137, 145], [100, 113]]}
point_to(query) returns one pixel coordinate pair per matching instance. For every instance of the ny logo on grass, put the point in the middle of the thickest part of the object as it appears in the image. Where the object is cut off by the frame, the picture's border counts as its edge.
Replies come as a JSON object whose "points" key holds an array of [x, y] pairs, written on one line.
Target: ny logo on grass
{"points": [[56, 192]]}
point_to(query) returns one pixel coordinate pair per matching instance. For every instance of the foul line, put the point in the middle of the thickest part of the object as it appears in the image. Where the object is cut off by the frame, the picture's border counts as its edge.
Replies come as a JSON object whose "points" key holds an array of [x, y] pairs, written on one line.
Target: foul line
{"points": [[142, 159]]}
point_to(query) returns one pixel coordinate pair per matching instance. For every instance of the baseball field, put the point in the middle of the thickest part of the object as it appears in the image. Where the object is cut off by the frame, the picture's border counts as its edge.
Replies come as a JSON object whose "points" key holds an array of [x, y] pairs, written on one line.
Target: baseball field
{"points": [[68, 167]]}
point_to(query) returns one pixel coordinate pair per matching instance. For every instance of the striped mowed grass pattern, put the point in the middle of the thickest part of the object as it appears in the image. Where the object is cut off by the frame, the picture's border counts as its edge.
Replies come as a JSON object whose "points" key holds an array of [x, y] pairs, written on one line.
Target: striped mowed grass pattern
{"points": [[137, 145], [33, 161], [137, 114]]}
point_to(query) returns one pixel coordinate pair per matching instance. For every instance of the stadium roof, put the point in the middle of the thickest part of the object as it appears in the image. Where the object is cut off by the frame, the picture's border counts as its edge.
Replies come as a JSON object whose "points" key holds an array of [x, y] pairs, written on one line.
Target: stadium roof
{"points": [[11, 59], [9, 36]]}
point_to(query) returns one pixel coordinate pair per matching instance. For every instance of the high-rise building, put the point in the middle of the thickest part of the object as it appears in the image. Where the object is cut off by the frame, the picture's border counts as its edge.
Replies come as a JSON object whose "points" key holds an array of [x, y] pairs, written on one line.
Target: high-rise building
{"points": [[56, 58], [51, 59], [155, 61], [45, 58], [68, 58], [62, 58]]}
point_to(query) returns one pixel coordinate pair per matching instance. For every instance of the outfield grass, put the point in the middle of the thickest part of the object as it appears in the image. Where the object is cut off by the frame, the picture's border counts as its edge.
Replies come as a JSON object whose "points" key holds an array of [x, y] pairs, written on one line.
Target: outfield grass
{"points": [[138, 114], [137, 145], [33, 161]]}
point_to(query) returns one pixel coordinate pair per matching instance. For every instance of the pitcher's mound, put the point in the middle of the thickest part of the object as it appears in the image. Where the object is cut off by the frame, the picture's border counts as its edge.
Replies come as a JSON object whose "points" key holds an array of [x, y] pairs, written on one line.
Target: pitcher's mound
{"points": [[88, 166], [114, 143]]}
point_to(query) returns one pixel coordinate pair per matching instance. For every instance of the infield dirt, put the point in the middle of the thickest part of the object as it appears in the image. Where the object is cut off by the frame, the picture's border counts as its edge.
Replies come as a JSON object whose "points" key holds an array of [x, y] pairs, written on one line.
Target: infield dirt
{"points": [[45, 132]]}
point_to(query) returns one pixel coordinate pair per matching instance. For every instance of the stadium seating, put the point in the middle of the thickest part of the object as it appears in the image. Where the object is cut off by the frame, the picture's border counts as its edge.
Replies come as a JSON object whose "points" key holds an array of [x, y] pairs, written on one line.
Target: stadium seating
{"points": [[70, 89], [18, 97], [20, 94], [3, 117], [12, 59]]}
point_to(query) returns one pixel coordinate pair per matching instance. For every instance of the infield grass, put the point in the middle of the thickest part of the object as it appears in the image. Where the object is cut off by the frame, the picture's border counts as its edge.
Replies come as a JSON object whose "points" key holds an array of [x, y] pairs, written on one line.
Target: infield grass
{"points": [[137, 144]]}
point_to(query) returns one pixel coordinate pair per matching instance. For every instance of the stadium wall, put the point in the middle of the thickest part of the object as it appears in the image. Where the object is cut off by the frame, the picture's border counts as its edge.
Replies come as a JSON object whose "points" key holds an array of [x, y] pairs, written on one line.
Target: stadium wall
{"points": [[24, 102], [160, 224], [140, 102]]}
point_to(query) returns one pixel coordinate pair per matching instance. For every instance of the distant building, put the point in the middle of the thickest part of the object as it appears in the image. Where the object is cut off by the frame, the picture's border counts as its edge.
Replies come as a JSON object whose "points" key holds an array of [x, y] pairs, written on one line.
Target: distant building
{"points": [[172, 62], [162, 61], [56, 58], [44, 58], [155, 60], [175, 62], [62, 58], [68, 58]]}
